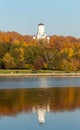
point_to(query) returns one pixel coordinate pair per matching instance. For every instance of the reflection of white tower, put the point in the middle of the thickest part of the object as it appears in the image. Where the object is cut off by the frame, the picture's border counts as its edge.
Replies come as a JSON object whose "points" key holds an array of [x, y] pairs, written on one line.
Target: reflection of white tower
{"points": [[41, 115], [41, 31], [41, 112]]}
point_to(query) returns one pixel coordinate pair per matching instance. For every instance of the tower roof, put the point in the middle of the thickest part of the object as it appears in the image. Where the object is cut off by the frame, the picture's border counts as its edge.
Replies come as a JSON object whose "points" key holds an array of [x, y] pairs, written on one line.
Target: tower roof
{"points": [[41, 24]]}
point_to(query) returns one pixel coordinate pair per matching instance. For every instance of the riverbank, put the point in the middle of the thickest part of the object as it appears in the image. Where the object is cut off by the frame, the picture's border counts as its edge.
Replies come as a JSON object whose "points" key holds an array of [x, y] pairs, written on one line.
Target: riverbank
{"points": [[15, 75]]}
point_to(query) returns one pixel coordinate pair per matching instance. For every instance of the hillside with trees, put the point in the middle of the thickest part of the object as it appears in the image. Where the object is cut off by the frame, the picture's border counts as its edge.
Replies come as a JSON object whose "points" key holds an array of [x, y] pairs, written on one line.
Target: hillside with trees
{"points": [[22, 52]]}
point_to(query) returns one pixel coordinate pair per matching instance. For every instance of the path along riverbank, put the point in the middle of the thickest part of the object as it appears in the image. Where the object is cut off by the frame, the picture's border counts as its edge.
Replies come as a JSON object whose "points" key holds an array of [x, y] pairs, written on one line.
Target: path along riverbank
{"points": [[41, 75]]}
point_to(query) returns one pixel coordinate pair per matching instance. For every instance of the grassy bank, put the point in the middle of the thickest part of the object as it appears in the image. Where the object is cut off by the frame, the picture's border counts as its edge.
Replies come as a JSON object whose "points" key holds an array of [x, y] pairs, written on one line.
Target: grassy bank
{"points": [[38, 73], [2, 71], [15, 71]]}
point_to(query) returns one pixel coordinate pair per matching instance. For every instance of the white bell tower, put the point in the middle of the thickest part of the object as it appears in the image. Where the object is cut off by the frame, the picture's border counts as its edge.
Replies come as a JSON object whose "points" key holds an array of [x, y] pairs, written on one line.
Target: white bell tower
{"points": [[41, 31]]}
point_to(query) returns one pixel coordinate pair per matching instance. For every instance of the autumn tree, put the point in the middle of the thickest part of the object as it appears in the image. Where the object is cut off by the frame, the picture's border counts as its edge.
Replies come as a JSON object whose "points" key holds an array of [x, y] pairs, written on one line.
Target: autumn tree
{"points": [[8, 61], [39, 63], [31, 53], [19, 57]]}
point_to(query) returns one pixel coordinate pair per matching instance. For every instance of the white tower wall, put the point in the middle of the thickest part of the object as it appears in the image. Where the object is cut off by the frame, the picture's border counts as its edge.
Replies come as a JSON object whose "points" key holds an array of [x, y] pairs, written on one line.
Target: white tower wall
{"points": [[41, 29]]}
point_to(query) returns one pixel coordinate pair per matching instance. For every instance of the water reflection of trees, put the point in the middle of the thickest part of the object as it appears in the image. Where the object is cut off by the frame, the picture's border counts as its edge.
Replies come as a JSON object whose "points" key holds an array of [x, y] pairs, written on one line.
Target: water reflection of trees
{"points": [[15, 101]]}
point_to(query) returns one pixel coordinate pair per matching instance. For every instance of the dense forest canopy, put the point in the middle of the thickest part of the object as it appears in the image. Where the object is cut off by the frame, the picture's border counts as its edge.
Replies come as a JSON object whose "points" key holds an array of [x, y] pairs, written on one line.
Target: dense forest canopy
{"points": [[23, 52]]}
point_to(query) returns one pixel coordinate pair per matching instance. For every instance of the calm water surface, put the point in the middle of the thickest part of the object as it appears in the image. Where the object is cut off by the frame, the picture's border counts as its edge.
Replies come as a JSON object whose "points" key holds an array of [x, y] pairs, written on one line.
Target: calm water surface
{"points": [[39, 103], [38, 82]]}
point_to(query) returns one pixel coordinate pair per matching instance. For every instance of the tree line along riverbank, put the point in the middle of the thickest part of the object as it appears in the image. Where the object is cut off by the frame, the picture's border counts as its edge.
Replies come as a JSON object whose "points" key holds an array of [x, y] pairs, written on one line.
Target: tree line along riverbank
{"points": [[22, 52]]}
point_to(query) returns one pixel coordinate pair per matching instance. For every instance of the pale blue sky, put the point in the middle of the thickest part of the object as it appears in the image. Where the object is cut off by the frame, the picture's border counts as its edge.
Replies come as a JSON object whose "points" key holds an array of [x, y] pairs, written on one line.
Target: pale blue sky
{"points": [[61, 17]]}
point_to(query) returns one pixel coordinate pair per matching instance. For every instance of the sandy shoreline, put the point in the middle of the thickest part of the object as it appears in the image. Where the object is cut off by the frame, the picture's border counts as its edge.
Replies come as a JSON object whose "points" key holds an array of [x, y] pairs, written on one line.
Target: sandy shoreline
{"points": [[41, 75]]}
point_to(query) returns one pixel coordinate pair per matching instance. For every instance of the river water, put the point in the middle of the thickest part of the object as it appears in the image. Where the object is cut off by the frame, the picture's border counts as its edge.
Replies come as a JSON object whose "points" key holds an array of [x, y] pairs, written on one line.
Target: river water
{"points": [[39, 103]]}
